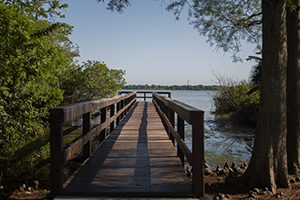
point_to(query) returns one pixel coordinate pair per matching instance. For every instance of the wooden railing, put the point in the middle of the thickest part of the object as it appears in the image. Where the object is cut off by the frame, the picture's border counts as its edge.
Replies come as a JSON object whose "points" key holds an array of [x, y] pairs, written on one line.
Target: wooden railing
{"points": [[59, 115], [145, 94], [167, 108]]}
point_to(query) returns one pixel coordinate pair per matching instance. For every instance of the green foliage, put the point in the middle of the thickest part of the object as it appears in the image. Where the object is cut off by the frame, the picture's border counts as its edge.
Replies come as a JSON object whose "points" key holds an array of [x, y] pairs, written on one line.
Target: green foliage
{"points": [[233, 100], [39, 8], [90, 81], [225, 22]]}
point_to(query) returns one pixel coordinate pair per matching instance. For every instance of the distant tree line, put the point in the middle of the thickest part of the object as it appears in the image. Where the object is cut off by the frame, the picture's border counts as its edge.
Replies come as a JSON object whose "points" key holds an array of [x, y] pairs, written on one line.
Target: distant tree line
{"points": [[170, 87]]}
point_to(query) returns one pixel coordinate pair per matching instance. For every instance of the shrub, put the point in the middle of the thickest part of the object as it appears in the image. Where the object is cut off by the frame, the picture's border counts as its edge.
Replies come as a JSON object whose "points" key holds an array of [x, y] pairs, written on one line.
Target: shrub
{"points": [[232, 99]]}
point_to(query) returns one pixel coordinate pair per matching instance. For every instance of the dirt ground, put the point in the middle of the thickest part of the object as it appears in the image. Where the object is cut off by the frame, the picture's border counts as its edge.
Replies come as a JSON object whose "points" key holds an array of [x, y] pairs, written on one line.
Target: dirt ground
{"points": [[214, 184]]}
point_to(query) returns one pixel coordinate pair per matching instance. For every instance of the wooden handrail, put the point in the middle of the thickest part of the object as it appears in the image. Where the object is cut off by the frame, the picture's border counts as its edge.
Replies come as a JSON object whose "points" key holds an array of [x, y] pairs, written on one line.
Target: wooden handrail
{"points": [[145, 93], [65, 113], [166, 107]]}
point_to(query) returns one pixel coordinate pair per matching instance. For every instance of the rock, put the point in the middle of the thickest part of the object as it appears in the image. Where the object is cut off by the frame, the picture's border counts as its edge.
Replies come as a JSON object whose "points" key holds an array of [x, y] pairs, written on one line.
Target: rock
{"points": [[279, 195], [244, 165], [216, 198], [220, 196], [218, 169], [29, 189], [297, 179], [238, 170], [188, 171], [207, 171], [253, 195], [233, 165], [226, 165], [256, 190], [225, 171], [36, 183], [205, 163], [292, 180]]}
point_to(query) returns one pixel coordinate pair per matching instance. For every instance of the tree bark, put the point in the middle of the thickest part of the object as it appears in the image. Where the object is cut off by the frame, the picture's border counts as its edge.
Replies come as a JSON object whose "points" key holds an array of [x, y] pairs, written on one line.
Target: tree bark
{"points": [[293, 90], [268, 164]]}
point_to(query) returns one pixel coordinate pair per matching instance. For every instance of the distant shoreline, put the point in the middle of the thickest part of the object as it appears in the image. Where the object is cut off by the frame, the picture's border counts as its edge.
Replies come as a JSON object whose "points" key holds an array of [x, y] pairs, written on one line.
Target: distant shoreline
{"points": [[172, 87]]}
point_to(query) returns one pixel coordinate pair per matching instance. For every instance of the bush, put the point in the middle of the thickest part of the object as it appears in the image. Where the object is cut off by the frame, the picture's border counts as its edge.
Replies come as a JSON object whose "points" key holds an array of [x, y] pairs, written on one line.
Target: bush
{"points": [[232, 99]]}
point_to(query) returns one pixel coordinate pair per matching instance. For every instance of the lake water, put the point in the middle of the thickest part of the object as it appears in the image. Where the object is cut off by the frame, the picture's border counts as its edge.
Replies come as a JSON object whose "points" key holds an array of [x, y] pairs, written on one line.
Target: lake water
{"points": [[223, 140]]}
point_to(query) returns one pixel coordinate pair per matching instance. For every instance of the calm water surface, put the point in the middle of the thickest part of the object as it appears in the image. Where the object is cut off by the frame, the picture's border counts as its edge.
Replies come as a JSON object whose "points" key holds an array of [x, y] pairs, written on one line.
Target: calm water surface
{"points": [[224, 141]]}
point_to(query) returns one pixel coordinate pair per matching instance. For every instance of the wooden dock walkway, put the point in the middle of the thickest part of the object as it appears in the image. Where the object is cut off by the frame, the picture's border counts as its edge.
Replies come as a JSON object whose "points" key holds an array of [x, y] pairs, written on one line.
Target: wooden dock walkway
{"points": [[137, 159]]}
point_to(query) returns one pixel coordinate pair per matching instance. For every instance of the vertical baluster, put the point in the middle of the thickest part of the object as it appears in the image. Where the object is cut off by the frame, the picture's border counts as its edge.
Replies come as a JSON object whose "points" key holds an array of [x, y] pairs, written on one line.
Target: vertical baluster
{"points": [[112, 113], [180, 130], [85, 129], [122, 106], [144, 96], [172, 121], [103, 119], [118, 109]]}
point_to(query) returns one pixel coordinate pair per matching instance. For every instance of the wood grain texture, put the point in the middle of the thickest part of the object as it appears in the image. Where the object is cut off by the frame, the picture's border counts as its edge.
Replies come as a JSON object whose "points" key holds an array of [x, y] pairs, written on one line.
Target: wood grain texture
{"points": [[136, 159]]}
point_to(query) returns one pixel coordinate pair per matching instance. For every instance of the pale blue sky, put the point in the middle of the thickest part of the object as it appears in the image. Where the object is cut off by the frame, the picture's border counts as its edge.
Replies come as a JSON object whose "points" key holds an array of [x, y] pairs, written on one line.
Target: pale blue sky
{"points": [[149, 44]]}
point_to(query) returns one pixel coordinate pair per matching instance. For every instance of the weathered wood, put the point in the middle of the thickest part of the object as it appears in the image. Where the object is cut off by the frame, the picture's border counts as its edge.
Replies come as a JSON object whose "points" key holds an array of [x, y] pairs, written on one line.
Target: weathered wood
{"points": [[180, 130], [198, 152], [76, 146], [137, 161], [103, 120], [194, 117], [112, 113], [56, 147], [86, 128], [188, 154]]}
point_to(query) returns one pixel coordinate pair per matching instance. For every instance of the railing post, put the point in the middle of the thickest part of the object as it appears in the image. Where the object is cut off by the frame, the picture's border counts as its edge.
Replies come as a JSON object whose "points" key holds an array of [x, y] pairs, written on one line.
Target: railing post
{"points": [[145, 96], [180, 130], [85, 129], [56, 148], [122, 106], [112, 113], [103, 119], [198, 153], [118, 109], [172, 121]]}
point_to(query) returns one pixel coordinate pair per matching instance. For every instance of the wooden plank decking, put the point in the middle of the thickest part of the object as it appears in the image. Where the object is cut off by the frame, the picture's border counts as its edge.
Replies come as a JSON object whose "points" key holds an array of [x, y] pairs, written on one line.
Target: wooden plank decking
{"points": [[137, 159]]}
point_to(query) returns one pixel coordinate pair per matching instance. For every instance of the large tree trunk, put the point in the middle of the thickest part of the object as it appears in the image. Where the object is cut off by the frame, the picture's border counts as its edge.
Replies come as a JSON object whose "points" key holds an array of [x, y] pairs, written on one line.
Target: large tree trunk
{"points": [[293, 90], [268, 164]]}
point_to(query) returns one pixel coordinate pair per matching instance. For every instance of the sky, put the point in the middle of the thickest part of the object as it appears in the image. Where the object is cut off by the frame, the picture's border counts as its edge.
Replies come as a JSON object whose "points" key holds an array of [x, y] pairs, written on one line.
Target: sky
{"points": [[149, 44]]}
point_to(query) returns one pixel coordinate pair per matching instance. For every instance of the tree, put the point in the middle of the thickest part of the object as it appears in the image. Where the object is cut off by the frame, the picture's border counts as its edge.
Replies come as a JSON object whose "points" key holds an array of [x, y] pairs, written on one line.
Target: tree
{"points": [[293, 90], [91, 81], [32, 54], [268, 164]]}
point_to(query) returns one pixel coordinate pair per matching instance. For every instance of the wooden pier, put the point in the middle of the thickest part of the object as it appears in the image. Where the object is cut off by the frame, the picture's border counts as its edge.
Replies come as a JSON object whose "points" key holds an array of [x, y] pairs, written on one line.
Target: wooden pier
{"points": [[137, 158]]}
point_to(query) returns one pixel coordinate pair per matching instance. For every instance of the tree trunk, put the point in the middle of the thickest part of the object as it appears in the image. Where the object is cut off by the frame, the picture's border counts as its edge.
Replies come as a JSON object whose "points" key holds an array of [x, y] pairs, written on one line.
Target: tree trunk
{"points": [[268, 164], [293, 90]]}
